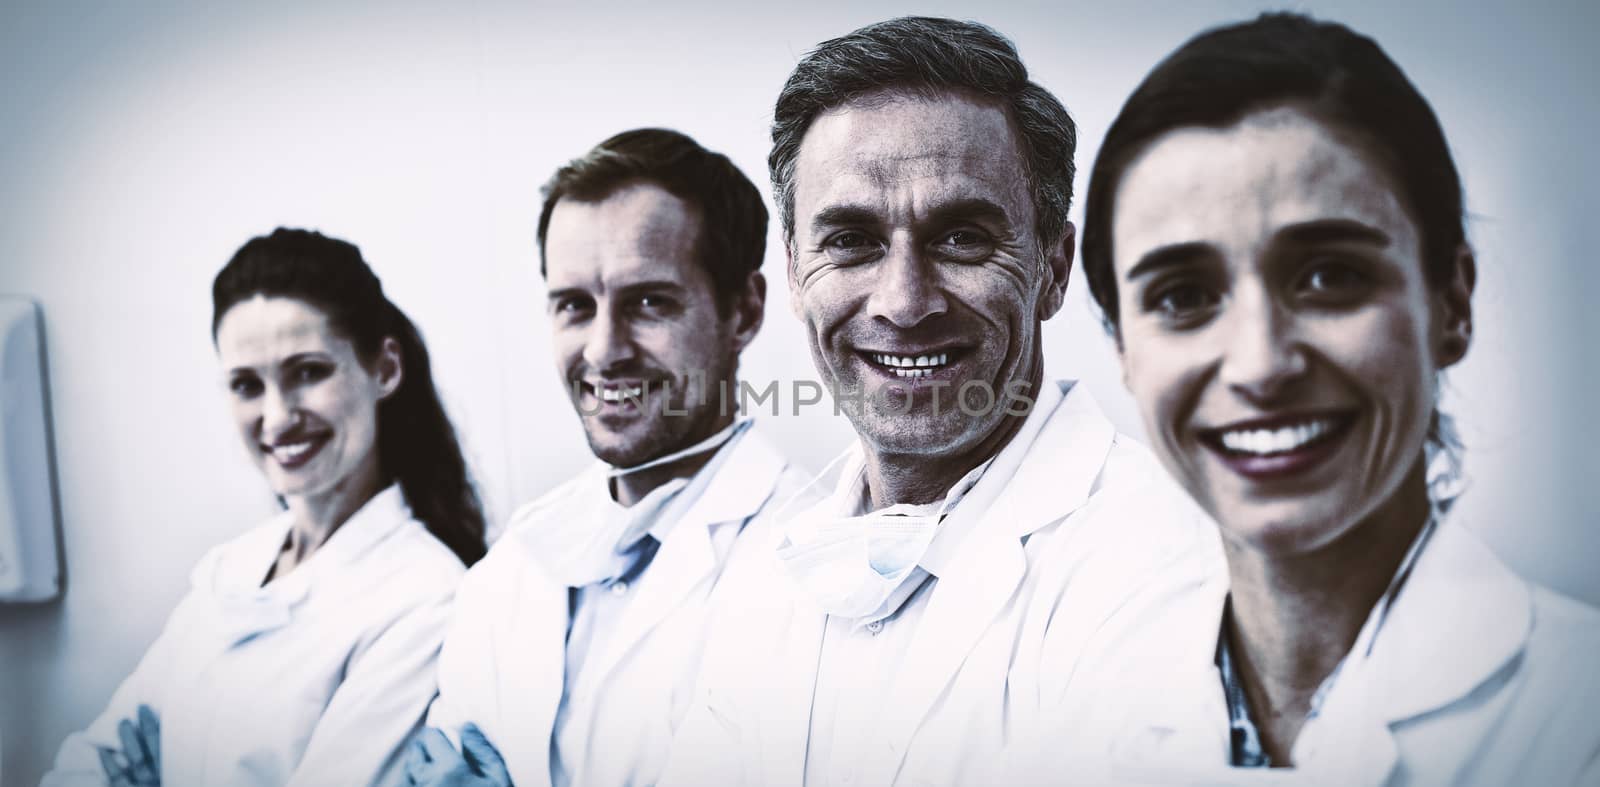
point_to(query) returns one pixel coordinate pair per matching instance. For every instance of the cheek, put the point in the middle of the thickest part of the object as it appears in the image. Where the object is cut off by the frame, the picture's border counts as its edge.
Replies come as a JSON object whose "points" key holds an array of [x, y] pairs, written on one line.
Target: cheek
{"points": [[566, 347], [826, 302], [1165, 375], [994, 292], [247, 419], [1383, 351], [351, 404]]}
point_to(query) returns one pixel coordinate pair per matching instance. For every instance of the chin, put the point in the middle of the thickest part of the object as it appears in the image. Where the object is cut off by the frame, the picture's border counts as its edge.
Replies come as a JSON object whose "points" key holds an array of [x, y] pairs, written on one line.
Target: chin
{"points": [[624, 448], [1291, 528], [919, 435]]}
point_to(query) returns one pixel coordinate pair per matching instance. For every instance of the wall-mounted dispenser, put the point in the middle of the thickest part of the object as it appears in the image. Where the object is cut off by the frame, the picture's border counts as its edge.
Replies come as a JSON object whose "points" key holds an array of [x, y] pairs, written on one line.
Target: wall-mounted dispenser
{"points": [[29, 565]]}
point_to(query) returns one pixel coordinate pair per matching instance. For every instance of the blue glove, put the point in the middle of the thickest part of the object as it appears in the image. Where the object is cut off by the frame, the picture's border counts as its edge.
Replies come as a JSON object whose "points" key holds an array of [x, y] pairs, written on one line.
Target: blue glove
{"points": [[138, 762], [433, 762]]}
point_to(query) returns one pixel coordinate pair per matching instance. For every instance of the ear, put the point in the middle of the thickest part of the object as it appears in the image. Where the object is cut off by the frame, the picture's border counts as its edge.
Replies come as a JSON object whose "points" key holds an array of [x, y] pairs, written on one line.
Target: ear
{"points": [[749, 310], [1058, 260], [1453, 305], [794, 284], [389, 369]]}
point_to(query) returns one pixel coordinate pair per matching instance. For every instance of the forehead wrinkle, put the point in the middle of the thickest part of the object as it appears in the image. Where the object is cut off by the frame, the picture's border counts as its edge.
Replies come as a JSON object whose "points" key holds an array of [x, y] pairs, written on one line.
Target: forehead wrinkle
{"points": [[860, 149]]}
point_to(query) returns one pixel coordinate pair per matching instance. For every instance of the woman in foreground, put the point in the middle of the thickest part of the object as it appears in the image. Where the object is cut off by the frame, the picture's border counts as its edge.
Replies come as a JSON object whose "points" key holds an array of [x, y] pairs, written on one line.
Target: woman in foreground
{"points": [[1274, 233]]}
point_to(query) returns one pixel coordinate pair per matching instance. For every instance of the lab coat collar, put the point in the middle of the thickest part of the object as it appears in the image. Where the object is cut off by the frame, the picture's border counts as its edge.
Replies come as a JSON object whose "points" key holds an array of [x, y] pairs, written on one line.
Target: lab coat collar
{"points": [[729, 490], [1043, 474], [242, 608], [1428, 653], [1176, 723], [1008, 470], [1426, 656], [381, 516]]}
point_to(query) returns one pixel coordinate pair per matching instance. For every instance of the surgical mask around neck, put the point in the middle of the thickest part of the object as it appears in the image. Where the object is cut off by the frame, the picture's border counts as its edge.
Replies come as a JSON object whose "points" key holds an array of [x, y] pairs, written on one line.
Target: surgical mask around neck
{"points": [[851, 566]]}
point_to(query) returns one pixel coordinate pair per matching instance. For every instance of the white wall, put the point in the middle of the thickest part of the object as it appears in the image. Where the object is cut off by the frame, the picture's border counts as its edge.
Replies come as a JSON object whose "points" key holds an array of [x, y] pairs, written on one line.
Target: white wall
{"points": [[140, 144]]}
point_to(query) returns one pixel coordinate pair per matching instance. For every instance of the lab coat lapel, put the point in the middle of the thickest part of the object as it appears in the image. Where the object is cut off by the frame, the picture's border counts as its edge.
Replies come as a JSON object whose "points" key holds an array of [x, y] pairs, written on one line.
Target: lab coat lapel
{"points": [[1044, 474], [530, 660], [1427, 656], [791, 686], [790, 679], [1428, 653], [743, 481], [1054, 474], [1174, 722], [239, 607], [958, 614], [243, 609]]}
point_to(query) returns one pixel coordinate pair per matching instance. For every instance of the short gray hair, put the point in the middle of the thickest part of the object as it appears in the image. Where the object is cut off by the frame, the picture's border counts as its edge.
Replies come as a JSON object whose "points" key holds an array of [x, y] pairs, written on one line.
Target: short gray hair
{"points": [[929, 55]]}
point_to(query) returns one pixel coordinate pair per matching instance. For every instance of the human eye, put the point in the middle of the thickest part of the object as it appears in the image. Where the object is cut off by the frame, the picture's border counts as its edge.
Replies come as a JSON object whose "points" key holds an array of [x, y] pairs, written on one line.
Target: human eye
{"points": [[1181, 304], [1333, 281], [572, 307], [966, 245], [310, 371], [244, 386], [656, 305], [850, 247]]}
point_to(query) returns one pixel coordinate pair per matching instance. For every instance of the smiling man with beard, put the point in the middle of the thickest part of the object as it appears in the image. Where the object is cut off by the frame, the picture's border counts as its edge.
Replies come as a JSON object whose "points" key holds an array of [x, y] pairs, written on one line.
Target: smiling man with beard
{"points": [[575, 646], [989, 520]]}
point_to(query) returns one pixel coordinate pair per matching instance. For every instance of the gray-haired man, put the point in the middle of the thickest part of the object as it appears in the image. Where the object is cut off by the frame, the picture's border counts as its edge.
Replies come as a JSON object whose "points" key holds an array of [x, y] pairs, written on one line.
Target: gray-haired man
{"points": [[988, 520]]}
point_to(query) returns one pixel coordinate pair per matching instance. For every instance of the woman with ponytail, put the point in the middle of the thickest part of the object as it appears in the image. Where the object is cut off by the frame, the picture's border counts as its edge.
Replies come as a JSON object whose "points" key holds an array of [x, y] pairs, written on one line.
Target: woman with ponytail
{"points": [[304, 653]]}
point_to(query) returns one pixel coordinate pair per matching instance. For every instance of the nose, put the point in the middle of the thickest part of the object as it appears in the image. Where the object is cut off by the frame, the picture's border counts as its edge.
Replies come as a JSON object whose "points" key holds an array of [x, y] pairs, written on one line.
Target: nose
{"points": [[908, 290], [279, 413], [609, 340], [1265, 355]]}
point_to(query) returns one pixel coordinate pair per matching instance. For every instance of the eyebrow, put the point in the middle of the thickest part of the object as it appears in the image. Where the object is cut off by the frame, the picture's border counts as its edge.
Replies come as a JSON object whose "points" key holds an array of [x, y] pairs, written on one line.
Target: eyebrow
{"points": [[1310, 233], [838, 215], [1175, 255], [565, 292], [289, 361], [306, 356], [965, 209], [654, 285], [632, 288], [968, 209], [1313, 233]]}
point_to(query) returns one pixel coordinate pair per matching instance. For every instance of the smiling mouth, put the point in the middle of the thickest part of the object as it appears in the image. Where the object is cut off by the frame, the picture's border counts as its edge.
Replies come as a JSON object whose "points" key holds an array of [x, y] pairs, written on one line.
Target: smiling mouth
{"points": [[292, 454], [1282, 438], [1279, 447], [621, 393], [911, 367]]}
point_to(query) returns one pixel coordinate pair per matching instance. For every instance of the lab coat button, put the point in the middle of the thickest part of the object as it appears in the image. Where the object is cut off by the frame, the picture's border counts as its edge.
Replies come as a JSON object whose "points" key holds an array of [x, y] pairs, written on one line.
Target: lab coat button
{"points": [[874, 627], [619, 588]]}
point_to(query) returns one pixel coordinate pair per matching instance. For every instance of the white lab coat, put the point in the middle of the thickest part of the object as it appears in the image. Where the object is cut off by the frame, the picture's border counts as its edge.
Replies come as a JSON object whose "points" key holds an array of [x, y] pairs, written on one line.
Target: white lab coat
{"points": [[1475, 677], [1101, 521], [319, 678], [503, 663]]}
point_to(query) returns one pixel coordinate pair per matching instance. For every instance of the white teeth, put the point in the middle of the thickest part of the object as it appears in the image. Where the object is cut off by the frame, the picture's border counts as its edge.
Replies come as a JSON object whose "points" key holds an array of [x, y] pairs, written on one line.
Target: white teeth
{"points": [[903, 373], [619, 394], [1275, 441], [912, 361], [289, 452]]}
